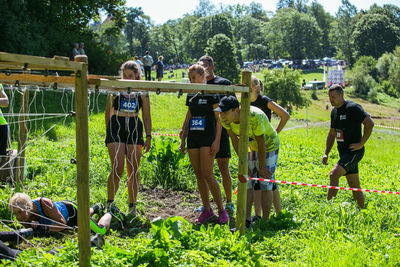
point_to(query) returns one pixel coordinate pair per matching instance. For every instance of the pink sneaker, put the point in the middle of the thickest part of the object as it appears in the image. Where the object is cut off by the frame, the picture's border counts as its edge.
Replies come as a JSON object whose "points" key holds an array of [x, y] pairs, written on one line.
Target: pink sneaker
{"points": [[205, 216], [223, 217]]}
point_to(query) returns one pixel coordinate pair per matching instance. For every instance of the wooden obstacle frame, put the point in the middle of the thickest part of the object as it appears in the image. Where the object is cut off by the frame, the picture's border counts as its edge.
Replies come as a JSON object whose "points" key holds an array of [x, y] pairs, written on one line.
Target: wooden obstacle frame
{"points": [[26, 65]]}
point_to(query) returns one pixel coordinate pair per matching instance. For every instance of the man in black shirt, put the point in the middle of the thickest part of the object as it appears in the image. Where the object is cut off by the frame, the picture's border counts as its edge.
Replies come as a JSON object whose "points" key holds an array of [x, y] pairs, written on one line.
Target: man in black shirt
{"points": [[224, 153], [346, 119]]}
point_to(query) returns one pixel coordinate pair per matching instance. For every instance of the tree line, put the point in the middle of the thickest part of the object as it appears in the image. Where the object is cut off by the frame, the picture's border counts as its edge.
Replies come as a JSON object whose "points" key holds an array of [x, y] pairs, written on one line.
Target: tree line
{"points": [[296, 30]]}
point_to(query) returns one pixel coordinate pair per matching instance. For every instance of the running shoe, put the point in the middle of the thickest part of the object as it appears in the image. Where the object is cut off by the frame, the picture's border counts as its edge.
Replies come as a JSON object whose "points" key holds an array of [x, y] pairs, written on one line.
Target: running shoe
{"points": [[97, 241], [199, 209], [118, 214], [132, 211], [223, 217], [205, 217], [230, 208], [97, 208]]}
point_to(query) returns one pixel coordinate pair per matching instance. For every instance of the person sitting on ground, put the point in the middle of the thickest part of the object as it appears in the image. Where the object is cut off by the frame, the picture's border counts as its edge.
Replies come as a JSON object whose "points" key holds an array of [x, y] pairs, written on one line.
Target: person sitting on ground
{"points": [[263, 143], [42, 216]]}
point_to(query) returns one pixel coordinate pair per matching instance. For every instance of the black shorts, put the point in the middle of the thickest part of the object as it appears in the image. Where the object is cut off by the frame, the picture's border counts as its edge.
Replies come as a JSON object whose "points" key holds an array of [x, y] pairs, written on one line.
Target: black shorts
{"points": [[72, 212], [224, 146], [127, 130], [3, 139], [198, 139], [349, 160]]}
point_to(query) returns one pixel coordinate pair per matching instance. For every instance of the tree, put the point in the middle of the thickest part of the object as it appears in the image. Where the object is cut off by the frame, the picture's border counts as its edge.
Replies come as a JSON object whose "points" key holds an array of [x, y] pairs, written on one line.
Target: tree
{"points": [[205, 8], [342, 30], [223, 51], [324, 21], [394, 70], [137, 31], [294, 34], [299, 5], [283, 86], [383, 65], [374, 35]]}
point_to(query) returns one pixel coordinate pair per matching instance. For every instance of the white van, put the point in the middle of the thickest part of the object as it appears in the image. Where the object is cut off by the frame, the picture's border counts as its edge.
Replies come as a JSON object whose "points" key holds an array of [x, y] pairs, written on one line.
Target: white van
{"points": [[315, 85]]}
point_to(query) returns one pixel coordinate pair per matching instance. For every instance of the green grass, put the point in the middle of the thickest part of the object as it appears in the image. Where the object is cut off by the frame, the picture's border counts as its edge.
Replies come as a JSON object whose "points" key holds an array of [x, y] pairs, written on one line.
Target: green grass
{"points": [[310, 230]]}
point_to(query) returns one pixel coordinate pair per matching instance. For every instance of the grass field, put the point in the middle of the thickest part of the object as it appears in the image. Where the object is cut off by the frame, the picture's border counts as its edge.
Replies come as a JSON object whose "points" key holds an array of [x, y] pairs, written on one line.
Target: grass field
{"points": [[310, 230]]}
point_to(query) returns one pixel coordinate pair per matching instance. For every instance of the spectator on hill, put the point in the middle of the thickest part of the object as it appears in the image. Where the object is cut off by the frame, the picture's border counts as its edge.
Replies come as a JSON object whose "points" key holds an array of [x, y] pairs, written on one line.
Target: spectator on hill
{"points": [[346, 120], [159, 65], [148, 63], [124, 137], [203, 132], [268, 106]]}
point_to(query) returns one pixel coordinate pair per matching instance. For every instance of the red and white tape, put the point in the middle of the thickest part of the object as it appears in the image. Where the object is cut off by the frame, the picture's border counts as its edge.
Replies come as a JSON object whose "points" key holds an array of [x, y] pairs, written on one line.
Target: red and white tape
{"points": [[387, 127], [164, 134], [241, 177]]}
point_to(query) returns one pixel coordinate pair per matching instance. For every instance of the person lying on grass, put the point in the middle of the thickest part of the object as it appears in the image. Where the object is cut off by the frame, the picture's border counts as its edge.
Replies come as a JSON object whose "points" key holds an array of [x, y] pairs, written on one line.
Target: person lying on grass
{"points": [[42, 216]]}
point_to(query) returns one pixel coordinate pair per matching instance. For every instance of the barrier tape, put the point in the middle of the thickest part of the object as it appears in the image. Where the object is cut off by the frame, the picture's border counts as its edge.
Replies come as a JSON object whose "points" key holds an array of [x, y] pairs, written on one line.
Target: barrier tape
{"points": [[321, 186], [164, 134], [388, 127]]}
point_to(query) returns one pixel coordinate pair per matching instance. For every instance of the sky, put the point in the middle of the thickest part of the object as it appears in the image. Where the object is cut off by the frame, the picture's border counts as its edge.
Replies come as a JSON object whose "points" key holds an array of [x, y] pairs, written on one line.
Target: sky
{"points": [[162, 10]]}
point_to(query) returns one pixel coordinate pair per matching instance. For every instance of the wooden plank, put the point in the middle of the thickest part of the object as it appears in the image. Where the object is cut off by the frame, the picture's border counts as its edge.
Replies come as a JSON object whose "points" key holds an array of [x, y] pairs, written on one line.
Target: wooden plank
{"points": [[122, 85], [34, 61], [243, 153], [82, 161]]}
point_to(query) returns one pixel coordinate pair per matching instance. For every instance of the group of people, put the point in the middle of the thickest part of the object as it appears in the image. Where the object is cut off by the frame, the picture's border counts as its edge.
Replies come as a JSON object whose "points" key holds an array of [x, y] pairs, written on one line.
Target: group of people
{"points": [[78, 49], [146, 63], [210, 121]]}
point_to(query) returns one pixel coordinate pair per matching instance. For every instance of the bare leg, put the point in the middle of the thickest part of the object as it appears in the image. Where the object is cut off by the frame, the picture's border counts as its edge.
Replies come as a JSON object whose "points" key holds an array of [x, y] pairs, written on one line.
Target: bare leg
{"points": [[354, 181], [249, 202], [206, 164], [134, 153], [194, 156], [117, 155], [223, 166], [266, 203], [334, 176], [277, 201], [257, 202]]}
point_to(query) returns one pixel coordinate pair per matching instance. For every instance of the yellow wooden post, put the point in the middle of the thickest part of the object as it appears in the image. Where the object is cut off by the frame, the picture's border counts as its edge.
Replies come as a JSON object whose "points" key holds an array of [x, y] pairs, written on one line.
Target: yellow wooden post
{"points": [[243, 153], [23, 130], [82, 161]]}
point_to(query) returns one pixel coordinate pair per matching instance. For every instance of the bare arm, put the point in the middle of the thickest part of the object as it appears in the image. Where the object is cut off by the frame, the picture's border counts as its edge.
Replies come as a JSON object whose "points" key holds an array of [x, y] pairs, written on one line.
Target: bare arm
{"points": [[368, 126], [235, 140], [51, 212], [262, 168], [184, 132], [146, 120], [330, 139], [109, 108], [281, 113], [3, 98], [215, 144]]}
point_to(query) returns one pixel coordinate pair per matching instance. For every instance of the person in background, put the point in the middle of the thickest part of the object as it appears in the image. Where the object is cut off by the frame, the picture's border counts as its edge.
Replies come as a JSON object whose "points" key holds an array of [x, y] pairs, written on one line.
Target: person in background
{"points": [[124, 136], [75, 50], [3, 123], [268, 106], [81, 48], [346, 120], [203, 133], [148, 63], [159, 65]]}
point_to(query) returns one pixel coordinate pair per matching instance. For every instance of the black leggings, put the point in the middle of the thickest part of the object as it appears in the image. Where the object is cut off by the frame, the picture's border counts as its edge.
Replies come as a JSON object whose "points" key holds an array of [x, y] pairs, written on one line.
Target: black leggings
{"points": [[8, 253]]}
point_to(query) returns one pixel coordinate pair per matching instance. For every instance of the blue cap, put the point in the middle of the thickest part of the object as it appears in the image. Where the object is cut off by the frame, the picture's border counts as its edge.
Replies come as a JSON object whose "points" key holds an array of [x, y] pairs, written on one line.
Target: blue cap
{"points": [[226, 103]]}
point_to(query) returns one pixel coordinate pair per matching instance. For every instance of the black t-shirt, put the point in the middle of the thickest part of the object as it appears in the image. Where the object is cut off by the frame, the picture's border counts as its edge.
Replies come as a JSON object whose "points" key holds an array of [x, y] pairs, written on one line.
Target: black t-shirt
{"points": [[262, 103], [219, 81], [128, 103], [202, 110], [347, 120]]}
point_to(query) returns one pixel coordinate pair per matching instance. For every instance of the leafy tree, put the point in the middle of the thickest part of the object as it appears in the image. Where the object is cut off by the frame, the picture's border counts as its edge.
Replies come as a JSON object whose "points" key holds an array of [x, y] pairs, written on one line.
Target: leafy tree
{"points": [[205, 8], [223, 51], [205, 28], [299, 5], [383, 65], [364, 74], [164, 42], [324, 21], [283, 86], [342, 30], [294, 34], [374, 35], [394, 70], [137, 31]]}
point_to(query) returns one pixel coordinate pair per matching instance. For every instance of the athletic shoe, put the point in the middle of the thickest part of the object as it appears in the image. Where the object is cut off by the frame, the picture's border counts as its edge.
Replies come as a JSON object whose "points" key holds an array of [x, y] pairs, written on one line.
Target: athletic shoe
{"points": [[132, 211], [206, 216], [115, 212], [230, 208], [97, 241], [223, 217], [97, 208], [199, 209], [26, 233]]}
